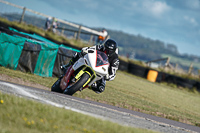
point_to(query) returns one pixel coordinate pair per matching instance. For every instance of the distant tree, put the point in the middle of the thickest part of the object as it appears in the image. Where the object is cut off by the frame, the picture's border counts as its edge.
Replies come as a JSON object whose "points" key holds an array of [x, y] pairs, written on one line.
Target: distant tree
{"points": [[172, 48]]}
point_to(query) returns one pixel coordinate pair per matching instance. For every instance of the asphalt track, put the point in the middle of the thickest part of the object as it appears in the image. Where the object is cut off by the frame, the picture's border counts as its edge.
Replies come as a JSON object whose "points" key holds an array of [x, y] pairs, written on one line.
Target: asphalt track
{"points": [[99, 110]]}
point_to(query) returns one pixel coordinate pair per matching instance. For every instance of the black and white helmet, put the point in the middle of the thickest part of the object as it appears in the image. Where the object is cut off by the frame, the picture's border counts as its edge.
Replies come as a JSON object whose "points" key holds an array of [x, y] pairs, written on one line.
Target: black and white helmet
{"points": [[110, 46]]}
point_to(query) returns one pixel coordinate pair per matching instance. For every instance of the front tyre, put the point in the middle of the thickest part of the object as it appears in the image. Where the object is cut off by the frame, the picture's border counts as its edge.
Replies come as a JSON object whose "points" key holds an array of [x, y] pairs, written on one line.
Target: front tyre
{"points": [[78, 85], [56, 86]]}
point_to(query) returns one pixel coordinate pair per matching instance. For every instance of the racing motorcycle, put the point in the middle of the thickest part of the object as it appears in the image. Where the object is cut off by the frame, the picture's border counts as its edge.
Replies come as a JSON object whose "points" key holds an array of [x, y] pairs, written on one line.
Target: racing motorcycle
{"points": [[83, 73]]}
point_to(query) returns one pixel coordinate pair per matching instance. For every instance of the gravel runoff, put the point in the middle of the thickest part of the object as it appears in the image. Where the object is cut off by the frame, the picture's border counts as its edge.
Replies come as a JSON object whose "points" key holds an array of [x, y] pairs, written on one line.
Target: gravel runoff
{"points": [[99, 110]]}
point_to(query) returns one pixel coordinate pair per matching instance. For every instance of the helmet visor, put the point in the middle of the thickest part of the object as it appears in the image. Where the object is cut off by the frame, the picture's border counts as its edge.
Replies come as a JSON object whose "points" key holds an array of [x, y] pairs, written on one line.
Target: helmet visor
{"points": [[108, 51]]}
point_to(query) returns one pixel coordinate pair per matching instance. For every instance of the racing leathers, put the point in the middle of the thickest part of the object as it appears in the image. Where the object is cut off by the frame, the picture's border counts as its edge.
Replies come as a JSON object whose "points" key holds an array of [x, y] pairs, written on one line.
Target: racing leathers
{"points": [[99, 86]]}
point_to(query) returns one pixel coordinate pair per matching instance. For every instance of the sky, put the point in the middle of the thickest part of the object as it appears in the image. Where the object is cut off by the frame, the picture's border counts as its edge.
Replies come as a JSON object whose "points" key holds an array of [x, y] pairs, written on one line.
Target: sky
{"points": [[170, 21]]}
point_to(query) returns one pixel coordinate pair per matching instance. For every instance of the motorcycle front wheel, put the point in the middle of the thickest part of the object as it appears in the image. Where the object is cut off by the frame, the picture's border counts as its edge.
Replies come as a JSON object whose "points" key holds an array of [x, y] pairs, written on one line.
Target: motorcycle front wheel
{"points": [[78, 85], [56, 86]]}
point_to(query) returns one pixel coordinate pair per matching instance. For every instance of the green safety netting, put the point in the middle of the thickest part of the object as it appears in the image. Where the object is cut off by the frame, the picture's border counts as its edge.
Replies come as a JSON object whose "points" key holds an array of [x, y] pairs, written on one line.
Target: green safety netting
{"points": [[46, 59], [10, 50]]}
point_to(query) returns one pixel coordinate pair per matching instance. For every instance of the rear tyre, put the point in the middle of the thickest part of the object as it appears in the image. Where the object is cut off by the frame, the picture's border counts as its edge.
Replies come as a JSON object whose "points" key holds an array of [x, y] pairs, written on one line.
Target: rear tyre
{"points": [[78, 85], [56, 86]]}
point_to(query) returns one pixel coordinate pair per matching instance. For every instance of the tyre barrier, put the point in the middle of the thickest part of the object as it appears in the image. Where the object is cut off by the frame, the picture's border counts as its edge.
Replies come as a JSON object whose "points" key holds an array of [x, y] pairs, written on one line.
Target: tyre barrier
{"points": [[138, 70], [169, 78], [156, 76], [185, 83], [28, 58], [63, 57], [180, 82], [197, 85], [159, 77], [123, 65]]}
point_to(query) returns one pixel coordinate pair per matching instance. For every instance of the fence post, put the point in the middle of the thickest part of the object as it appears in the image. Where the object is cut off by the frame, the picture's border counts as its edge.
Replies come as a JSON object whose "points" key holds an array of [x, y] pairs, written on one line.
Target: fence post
{"points": [[79, 31], [22, 17], [75, 35], [62, 33], [52, 23], [168, 59], [176, 68], [91, 38], [190, 69]]}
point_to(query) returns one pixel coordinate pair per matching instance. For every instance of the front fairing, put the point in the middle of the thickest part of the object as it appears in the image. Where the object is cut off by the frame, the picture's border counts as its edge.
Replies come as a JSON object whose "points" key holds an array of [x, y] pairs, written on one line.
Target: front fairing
{"points": [[99, 62], [101, 59]]}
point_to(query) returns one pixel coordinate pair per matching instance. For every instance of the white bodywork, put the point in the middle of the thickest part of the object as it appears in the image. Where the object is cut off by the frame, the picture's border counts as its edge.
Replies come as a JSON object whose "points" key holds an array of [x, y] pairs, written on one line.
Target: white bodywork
{"points": [[90, 59]]}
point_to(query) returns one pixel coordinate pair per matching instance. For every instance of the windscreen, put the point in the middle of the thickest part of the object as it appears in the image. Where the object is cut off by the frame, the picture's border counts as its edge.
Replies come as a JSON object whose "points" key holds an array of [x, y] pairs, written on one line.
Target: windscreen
{"points": [[102, 59]]}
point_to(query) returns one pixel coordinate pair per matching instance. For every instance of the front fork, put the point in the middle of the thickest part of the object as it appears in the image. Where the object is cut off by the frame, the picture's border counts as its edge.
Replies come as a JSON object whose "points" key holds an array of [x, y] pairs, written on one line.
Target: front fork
{"points": [[81, 72], [65, 80]]}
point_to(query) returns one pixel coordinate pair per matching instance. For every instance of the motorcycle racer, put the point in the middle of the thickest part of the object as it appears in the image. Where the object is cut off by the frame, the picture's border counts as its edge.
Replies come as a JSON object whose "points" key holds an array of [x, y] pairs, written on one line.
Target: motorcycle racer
{"points": [[110, 48]]}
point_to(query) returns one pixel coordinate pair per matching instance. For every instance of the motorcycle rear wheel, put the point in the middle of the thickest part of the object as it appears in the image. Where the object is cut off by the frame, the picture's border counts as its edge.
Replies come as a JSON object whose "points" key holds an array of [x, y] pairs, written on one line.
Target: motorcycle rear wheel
{"points": [[78, 85]]}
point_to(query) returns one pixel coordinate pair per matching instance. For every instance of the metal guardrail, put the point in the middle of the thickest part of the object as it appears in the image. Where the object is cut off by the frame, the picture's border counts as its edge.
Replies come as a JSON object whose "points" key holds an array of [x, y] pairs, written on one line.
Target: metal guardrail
{"points": [[79, 27]]}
